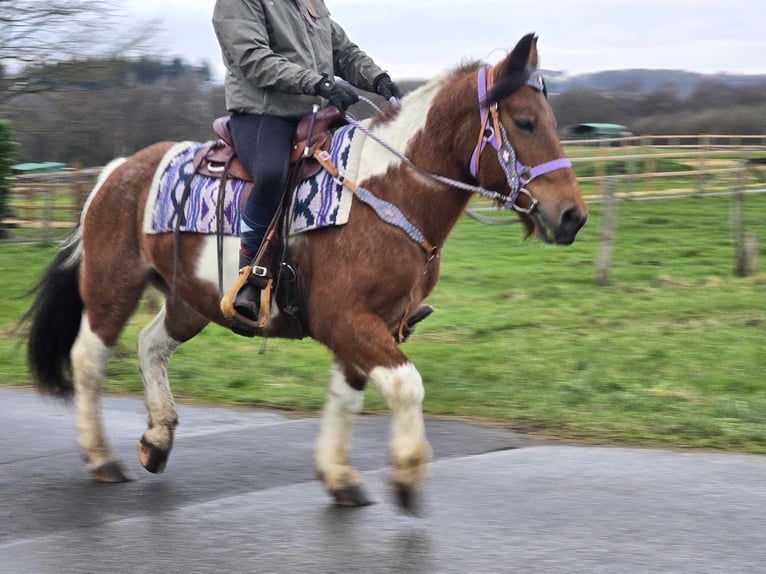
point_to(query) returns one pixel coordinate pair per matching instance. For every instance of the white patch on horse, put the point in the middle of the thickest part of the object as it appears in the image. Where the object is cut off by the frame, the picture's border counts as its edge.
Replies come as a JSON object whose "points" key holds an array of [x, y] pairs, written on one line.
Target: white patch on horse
{"points": [[76, 255], [403, 387], [334, 442], [89, 357], [155, 347], [102, 177], [376, 160], [207, 264]]}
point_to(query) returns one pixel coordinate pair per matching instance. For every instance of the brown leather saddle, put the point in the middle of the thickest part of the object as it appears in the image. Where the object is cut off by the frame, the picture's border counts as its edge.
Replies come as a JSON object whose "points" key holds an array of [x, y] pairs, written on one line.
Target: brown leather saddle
{"points": [[218, 159]]}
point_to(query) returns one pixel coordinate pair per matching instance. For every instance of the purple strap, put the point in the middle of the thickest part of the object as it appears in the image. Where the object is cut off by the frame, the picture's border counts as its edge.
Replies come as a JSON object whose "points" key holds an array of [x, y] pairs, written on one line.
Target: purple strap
{"points": [[526, 173], [529, 173], [483, 111]]}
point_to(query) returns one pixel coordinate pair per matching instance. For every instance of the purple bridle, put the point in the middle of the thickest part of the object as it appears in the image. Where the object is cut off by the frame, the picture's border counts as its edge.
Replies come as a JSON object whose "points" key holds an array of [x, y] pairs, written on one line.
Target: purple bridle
{"points": [[517, 174]]}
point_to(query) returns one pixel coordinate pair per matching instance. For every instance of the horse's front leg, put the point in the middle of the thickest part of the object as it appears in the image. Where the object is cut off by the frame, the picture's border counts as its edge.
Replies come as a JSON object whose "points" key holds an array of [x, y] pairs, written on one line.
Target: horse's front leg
{"points": [[344, 402], [402, 386], [366, 346]]}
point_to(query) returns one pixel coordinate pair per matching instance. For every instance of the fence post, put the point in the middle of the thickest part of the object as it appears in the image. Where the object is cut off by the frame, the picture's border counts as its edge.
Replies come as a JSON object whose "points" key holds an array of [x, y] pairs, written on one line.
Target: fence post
{"points": [[702, 165], [650, 164], [47, 220], [601, 167], [745, 246], [79, 187], [607, 234]]}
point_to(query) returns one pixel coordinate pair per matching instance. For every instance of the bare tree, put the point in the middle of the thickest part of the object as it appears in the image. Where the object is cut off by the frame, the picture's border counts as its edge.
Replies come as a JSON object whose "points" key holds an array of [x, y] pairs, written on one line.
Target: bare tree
{"points": [[36, 33]]}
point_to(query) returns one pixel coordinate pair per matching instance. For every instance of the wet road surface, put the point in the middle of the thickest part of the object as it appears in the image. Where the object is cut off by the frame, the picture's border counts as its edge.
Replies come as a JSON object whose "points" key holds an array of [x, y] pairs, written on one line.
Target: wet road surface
{"points": [[239, 495]]}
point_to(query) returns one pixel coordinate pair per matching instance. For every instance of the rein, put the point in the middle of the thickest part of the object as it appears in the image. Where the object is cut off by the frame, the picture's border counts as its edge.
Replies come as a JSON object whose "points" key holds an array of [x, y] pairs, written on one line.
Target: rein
{"points": [[517, 174], [477, 189]]}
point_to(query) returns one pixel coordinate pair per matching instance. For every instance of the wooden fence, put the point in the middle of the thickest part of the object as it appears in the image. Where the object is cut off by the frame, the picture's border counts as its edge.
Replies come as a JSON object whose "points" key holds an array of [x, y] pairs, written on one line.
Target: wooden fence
{"points": [[669, 165], [637, 167]]}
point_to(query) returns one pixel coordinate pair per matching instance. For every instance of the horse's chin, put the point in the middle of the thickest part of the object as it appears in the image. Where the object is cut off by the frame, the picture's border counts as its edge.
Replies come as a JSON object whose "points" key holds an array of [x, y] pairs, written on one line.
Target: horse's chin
{"points": [[539, 226], [536, 225]]}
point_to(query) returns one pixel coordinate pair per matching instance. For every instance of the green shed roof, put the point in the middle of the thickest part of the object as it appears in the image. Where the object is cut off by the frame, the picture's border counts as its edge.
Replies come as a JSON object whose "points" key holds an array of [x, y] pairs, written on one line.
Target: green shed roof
{"points": [[43, 167]]}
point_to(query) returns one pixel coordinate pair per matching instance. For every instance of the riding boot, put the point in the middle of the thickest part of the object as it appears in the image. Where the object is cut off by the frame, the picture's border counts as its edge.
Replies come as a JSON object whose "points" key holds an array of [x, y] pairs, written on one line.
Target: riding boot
{"points": [[247, 301], [254, 223]]}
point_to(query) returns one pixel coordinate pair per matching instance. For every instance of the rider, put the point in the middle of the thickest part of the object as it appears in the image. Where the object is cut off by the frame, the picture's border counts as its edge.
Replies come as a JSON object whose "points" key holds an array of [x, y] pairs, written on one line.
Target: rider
{"points": [[281, 57]]}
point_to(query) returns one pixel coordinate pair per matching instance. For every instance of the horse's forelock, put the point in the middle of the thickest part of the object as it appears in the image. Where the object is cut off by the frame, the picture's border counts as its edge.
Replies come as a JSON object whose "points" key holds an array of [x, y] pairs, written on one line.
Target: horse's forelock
{"points": [[507, 85]]}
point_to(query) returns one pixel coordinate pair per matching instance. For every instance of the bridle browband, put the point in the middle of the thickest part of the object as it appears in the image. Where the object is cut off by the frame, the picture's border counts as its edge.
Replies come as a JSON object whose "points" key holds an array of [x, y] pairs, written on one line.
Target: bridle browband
{"points": [[517, 174]]}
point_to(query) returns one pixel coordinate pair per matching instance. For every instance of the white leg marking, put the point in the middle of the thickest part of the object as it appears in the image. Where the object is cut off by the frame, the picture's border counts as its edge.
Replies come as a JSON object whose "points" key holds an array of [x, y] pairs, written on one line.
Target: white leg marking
{"points": [[343, 403], [89, 357], [403, 387], [155, 347]]}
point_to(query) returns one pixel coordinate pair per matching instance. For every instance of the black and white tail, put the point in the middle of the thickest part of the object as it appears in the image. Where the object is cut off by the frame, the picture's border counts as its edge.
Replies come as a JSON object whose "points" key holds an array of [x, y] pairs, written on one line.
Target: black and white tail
{"points": [[55, 319]]}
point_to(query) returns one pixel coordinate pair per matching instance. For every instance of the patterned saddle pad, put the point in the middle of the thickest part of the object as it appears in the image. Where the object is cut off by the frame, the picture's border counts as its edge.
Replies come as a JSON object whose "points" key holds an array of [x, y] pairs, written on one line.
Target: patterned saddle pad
{"points": [[318, 201], [199, 214]]}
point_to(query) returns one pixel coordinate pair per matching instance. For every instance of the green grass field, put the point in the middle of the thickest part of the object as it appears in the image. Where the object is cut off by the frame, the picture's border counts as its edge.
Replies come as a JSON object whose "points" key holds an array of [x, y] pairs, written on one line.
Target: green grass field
{"points": [[672, 353]]}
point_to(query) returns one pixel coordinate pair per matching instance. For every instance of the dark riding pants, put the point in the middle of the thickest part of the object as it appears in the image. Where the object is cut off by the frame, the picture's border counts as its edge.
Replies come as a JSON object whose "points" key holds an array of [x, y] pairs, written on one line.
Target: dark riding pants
{"points": [[263, 145]]}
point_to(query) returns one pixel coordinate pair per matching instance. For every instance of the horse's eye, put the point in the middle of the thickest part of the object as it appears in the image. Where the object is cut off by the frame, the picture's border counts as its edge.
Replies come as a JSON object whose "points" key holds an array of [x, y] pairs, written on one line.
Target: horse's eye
{"points": [[524, 124]]}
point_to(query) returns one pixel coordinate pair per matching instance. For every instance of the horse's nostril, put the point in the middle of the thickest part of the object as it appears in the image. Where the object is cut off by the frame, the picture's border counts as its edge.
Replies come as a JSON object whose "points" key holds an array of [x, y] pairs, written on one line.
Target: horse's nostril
{"points": [[572, 220]]}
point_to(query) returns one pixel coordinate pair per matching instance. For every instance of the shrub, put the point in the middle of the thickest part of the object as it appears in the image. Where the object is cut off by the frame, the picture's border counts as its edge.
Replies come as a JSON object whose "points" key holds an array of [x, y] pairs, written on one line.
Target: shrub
{"points": [[7, 155]]}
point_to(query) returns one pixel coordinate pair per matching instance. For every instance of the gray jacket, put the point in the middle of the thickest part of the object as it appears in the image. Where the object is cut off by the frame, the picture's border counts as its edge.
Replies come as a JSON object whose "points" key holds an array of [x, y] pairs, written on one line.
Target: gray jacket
{"points": [[274, 58]]}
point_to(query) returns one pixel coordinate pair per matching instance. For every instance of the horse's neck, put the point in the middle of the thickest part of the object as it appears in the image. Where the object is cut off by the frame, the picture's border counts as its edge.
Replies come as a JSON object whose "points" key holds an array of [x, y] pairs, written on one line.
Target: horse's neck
{"points": [[433, 206], [397, 133]]}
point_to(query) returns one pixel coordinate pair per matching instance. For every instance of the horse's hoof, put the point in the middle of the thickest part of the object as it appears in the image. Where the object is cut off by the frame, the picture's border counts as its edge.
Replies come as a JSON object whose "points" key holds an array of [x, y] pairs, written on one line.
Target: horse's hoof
{"points": [[351, 496], [152, 458], [113, 471], [407, 498]]}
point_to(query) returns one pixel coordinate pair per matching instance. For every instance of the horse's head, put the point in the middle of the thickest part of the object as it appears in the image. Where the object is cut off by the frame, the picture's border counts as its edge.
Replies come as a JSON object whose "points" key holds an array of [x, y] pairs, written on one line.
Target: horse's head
{"points": [[530, 167]]}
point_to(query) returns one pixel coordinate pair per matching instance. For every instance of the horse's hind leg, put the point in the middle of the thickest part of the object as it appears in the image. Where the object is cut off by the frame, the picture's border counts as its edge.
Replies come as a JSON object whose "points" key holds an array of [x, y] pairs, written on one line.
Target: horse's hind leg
{"points": [[90, 355], [174, 324], [344, 401]]}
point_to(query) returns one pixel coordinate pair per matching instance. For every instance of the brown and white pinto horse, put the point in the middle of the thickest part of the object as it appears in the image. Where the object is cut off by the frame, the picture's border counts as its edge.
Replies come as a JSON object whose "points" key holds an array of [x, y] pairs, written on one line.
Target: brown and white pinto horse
{"points": [[360, 280]]}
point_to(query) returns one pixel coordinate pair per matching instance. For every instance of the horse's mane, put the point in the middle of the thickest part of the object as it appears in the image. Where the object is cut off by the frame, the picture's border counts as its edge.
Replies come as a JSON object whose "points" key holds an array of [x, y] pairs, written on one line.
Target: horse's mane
{"points": [[389, 113]]}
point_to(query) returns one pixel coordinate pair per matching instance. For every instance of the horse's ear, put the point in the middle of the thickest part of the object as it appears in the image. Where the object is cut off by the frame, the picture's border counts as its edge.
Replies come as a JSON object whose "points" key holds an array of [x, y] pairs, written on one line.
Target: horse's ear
{"points": [[523, 56], [513, 72]]}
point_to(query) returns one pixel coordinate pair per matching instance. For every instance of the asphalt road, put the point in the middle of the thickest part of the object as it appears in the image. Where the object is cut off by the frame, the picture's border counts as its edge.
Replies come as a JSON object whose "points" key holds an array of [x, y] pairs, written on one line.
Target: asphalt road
{"points": [[239, 495]]}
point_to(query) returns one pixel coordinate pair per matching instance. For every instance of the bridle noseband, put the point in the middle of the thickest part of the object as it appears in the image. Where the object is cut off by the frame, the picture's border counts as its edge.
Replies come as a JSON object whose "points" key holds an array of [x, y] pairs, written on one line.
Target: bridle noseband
{"points": [[517, 174]]}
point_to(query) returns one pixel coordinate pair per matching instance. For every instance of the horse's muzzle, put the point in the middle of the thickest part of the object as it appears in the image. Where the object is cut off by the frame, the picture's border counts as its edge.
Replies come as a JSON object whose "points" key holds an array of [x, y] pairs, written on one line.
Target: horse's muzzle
{"points": [[560, 229], [570, 222]]}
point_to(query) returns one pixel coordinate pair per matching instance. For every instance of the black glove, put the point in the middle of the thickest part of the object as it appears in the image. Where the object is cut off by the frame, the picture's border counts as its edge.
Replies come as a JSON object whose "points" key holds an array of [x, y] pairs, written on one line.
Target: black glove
{"points": [[386, 88], [340, 95]]}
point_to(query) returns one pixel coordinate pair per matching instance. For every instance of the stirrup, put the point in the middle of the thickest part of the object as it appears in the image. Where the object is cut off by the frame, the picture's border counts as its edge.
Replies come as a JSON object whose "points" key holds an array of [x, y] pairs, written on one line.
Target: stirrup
{"points": [[247, 301], [227, 301]]}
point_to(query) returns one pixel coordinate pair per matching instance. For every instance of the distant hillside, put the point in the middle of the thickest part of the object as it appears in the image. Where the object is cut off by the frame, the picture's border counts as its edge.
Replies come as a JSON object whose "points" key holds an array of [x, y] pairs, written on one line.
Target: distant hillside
{"points": [[635, 81], [644, 81]]}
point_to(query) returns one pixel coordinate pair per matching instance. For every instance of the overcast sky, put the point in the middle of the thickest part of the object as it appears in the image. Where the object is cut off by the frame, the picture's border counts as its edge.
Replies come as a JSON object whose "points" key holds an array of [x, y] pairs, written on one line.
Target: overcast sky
{"points": [[420, 38]]}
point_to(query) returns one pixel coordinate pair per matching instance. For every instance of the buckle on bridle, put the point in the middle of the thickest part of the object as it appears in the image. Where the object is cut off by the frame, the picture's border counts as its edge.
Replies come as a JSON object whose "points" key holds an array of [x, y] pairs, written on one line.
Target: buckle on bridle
{"points": [[526, 173], [525, 210]]}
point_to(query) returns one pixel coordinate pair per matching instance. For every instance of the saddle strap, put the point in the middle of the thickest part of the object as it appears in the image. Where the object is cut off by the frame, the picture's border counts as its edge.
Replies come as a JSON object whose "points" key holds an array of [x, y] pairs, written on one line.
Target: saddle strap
{"points": [[388, 212]]}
